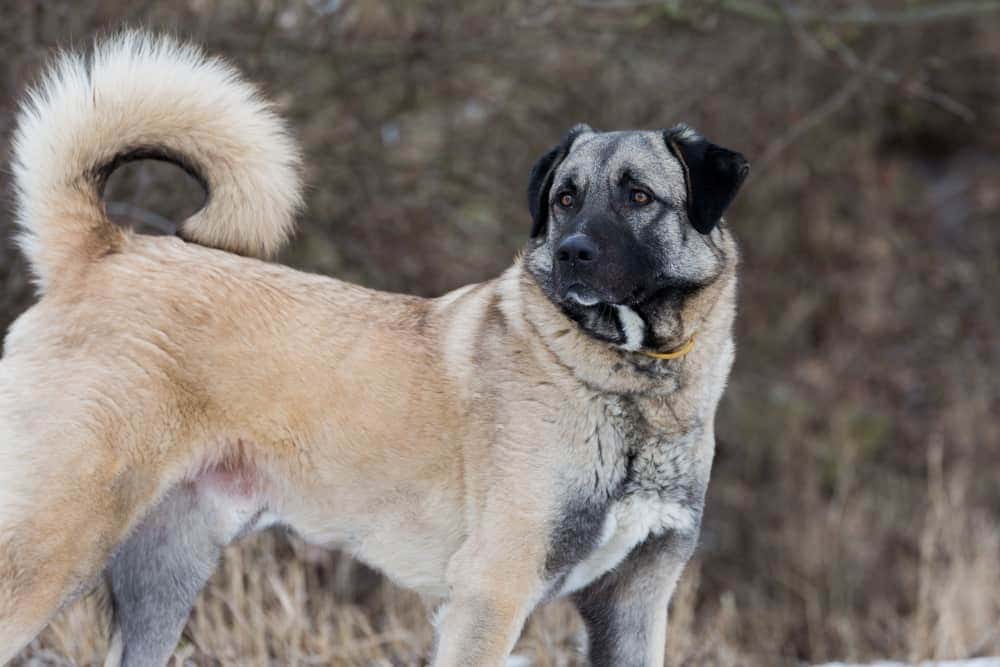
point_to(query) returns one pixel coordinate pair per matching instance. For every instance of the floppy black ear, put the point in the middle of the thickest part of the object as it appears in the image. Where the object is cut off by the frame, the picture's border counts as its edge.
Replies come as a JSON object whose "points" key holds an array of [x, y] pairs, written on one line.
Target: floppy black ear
{"points": [[713, 175], [540, 181]]}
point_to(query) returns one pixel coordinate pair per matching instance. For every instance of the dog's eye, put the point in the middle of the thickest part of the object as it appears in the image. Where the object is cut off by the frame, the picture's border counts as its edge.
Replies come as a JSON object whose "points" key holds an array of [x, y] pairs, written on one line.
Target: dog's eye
{"points": [[566, 200], [640, 197]]}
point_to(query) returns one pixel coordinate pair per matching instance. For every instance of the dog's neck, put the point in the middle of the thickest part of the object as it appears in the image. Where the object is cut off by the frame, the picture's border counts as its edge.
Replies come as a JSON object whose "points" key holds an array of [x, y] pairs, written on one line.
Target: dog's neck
{"points": [[706, 316]]}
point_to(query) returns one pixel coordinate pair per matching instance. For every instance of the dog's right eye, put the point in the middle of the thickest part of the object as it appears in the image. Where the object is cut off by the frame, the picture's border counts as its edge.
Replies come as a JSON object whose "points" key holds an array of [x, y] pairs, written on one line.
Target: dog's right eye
{"points": [[566, 200]]}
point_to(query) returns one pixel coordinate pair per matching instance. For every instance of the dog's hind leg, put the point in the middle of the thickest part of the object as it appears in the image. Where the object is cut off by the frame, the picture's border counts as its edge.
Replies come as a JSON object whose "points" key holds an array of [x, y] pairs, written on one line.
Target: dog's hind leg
{"points": [[59, 516], [88, 450], [155, 576]]}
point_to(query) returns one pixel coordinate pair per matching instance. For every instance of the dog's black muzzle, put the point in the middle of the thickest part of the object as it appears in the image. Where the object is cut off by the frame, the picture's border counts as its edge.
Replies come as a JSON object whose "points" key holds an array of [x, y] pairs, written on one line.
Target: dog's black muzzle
{"points": [[599, 260]]}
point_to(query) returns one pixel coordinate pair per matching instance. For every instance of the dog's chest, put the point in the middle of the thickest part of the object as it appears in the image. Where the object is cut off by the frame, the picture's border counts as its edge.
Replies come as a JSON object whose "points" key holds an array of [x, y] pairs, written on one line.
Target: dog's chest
{"points": [[627, 524], [657, 489]]}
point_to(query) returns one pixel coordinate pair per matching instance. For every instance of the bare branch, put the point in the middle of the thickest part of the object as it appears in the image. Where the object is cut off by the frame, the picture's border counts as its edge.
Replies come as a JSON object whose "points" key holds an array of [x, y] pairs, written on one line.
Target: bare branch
{"points": [[815, 117], [144, 217], [865, 15]]}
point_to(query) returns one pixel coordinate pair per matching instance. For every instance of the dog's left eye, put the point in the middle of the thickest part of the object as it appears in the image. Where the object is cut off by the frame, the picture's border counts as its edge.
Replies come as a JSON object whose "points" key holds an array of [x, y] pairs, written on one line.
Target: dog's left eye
{"points": [[640, 197]]}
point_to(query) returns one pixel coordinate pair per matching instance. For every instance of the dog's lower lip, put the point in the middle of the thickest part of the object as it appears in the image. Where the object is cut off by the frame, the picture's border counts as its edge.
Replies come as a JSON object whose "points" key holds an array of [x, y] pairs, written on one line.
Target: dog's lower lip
{"points": [[582, 296]]}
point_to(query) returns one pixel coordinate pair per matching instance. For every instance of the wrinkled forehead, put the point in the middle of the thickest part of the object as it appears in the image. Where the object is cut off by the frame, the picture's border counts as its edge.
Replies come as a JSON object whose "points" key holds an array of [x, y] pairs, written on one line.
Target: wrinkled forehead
{"points": [[606, 158]]}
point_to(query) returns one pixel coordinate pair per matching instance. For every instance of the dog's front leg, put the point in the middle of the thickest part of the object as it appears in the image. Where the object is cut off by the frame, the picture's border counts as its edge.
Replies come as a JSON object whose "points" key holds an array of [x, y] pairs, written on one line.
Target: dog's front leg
{"points": [[480, 628], [495, 585], [626, 610]]}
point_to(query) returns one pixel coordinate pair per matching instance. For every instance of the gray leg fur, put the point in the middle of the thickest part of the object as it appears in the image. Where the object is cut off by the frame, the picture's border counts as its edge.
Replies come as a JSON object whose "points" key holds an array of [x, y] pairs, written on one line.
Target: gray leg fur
{"points": [[156, 575], [625, 611]]}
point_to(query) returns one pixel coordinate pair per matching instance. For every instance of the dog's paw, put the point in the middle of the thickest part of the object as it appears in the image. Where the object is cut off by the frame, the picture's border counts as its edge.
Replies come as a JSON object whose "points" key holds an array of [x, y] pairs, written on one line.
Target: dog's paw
{"points": [[517, 661]]}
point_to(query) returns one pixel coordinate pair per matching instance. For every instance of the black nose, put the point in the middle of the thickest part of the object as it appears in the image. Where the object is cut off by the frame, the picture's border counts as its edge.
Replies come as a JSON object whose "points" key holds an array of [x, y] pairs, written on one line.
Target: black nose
{"points": [[577, 248]]}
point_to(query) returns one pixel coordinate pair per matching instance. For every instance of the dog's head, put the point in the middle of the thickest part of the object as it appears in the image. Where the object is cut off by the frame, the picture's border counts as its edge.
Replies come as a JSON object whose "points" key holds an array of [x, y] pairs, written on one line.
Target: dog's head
{"points": [[626, 226]]}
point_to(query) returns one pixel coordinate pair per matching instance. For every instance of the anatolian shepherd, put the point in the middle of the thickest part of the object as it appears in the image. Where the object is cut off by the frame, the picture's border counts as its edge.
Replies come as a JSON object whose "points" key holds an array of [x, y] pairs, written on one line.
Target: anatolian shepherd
{"points": [[547, 433]]}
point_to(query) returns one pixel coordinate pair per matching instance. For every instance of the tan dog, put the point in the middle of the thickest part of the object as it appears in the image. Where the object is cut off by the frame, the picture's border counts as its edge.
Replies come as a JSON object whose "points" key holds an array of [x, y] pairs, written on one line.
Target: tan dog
{"points": [[546, 433]]}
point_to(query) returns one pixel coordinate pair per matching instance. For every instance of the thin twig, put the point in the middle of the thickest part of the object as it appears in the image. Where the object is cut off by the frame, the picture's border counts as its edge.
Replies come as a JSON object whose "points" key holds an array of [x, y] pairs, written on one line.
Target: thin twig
{"points": [[815, 117], [850, 59], [117, 209], [913, 88], [926, 13]]}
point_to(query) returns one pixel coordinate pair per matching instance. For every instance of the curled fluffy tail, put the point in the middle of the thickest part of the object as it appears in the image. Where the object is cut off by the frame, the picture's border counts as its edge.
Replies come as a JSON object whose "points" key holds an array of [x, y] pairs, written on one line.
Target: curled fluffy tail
{"points": [[141, 97]]}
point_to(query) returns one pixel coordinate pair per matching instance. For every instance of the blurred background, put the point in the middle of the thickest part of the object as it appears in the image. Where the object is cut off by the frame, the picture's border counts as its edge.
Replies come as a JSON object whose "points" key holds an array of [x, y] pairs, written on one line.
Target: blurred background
{"points": [[854, 511]]}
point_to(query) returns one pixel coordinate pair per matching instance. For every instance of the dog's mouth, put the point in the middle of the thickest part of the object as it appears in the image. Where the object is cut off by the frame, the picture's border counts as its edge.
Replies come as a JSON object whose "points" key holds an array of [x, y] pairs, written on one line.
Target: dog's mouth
{"points": [[582, 295], [579, 299], [603, 316]]}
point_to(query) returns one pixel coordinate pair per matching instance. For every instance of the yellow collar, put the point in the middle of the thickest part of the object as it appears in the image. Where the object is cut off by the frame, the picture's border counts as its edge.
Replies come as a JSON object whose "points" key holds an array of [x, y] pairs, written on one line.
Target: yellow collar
{"points": [[673, 354]]}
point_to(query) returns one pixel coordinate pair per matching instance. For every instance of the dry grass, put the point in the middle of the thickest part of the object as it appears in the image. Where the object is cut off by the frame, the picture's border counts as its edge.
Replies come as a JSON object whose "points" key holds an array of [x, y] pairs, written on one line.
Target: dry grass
{"points": [[275, 600]]}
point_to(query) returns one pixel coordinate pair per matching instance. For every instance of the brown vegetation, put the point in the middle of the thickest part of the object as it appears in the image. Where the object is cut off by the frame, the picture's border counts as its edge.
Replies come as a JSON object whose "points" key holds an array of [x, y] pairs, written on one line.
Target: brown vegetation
{"points": [[854, 511]]}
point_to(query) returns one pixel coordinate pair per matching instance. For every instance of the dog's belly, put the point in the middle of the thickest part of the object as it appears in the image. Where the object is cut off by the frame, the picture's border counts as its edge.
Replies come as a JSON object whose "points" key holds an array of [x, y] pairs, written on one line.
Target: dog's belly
{"points": [[411, 560], [408, 542], [628, 524]]}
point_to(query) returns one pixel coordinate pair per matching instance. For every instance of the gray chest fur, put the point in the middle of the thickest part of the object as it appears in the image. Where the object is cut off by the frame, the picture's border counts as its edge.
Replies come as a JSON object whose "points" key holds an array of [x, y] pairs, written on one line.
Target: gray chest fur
{"points": [[643, 481]]}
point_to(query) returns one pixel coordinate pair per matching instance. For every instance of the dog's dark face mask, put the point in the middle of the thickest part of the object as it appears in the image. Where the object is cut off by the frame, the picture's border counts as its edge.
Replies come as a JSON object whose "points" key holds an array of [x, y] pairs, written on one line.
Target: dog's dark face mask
{"points": [[627, 223]]}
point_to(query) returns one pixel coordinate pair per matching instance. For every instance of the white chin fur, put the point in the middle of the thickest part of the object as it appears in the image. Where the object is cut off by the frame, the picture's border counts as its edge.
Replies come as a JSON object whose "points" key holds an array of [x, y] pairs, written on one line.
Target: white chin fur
{"points": [[633, 326]]}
